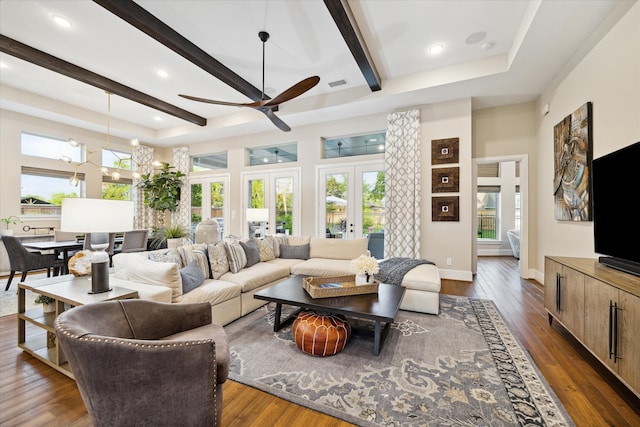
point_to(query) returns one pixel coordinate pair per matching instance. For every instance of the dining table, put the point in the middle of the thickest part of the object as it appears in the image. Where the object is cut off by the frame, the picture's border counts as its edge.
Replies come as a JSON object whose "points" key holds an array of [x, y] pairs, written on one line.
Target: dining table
{"points": [[58, 247]]}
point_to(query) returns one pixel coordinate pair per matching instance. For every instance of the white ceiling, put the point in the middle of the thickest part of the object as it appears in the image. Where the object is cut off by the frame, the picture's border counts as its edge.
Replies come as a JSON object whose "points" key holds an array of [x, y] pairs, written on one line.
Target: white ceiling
{"points": [[532, 43]]}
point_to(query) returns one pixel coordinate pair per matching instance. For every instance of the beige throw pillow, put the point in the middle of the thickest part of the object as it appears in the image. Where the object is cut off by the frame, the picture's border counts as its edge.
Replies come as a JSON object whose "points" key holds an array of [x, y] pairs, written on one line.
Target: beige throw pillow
{"points": [[266, 248], [158, 274], [218, 259]]}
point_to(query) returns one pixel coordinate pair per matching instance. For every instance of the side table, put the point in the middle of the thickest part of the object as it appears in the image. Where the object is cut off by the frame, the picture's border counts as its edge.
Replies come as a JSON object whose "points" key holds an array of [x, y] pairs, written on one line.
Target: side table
{"points": [[67, 291]]}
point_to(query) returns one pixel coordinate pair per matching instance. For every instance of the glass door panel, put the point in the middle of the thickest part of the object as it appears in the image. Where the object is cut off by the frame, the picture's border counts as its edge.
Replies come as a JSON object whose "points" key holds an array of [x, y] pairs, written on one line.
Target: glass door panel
{"points": [[372, 202], [284, 205], [217, 205], [208, 201], [336, 205]]}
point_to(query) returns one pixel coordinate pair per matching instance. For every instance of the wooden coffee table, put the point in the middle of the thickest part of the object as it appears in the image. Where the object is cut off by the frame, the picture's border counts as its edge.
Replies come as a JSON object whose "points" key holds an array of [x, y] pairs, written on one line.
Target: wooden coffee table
{"points": [[380, 308]]}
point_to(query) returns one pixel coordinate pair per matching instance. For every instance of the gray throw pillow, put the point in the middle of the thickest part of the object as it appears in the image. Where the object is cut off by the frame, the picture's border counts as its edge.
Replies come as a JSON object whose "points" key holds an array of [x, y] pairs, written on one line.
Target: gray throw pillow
{"points": [[295, 251], [192, 277], [251, 251]]}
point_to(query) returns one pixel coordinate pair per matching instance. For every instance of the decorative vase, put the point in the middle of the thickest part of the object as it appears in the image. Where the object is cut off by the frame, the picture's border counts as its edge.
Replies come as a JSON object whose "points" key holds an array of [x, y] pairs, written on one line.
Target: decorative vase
{"points": [[8, 232], [364, 279], [174, 243], [49, 307]]}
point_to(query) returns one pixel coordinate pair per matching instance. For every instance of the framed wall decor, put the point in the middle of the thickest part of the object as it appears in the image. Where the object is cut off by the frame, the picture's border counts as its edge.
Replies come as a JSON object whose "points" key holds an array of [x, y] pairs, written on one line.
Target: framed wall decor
{"points": [[445, 208], [445, 151], [445, 180], [573, 152]]}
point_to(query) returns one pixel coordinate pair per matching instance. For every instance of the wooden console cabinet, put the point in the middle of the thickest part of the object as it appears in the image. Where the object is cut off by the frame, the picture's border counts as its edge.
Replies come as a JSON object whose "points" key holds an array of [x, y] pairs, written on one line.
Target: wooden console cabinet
{"points": [[600, 306]]}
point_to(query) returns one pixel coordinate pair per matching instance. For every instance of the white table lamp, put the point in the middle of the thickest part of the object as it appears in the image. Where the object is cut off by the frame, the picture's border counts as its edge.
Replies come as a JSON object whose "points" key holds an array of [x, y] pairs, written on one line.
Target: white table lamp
{"points": [[258, 215], [98, 217]]}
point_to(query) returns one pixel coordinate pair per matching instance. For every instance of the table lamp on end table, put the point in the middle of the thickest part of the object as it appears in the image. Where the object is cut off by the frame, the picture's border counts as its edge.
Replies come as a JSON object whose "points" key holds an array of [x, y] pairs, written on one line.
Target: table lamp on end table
{"points": [[98, 217]]}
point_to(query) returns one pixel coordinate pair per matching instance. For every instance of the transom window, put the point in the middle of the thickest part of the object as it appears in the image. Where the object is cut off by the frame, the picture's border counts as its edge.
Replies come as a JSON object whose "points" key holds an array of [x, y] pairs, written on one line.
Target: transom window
{"points": [[209, 162], [357, 145], [271, 155], [49, 148]]}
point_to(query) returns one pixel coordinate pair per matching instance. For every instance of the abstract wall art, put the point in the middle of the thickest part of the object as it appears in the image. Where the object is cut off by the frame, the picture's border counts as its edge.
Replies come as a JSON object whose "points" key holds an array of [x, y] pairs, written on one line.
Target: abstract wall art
{"points": [[573, 152]]}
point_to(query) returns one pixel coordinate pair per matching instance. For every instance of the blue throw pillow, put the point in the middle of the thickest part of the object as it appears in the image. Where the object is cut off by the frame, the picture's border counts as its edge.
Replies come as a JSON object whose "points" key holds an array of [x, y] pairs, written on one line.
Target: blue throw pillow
{"points": [[192, 277]]}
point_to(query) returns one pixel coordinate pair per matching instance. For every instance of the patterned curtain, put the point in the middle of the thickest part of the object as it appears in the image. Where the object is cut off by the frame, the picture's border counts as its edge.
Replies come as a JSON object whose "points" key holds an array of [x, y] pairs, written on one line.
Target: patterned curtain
{"points": [[402, 185], [181, 162], [142, 157]]}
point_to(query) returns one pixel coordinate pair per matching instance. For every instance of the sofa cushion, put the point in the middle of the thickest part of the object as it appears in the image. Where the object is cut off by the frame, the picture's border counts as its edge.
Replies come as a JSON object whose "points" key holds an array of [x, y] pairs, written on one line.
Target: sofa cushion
{"points": [[294, 251], [145, 291], [218, 261], [323, 267], [424, 277], [266, 247], [236, 255], [251, 251], [159, 274], [338, 248], [213, 292], [286, 262], [257, 275], [298, 240], [195, 253], [191, 277], [121, 263]]}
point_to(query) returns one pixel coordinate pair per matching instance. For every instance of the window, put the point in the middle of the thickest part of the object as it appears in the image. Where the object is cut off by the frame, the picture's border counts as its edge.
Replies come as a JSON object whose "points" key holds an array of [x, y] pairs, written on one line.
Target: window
{"points": [[209, 162], [271, 155], [488, 202], [358, 145], [116, 189], [116, 159], [50, 148], [42, 190]]}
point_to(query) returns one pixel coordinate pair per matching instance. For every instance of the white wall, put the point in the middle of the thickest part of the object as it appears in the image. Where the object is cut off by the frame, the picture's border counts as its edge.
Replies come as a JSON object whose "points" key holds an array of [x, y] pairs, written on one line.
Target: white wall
{"points": [[609, 77]]}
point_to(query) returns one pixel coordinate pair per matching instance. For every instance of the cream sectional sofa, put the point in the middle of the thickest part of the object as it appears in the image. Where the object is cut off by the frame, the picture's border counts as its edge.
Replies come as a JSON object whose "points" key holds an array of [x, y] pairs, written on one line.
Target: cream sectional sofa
{"points": [[229, 286]]}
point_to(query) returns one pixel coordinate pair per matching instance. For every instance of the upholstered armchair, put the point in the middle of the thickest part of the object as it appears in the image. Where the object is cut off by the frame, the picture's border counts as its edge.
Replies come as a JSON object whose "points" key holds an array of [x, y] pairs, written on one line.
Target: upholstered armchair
{"points": [[139, 362]]}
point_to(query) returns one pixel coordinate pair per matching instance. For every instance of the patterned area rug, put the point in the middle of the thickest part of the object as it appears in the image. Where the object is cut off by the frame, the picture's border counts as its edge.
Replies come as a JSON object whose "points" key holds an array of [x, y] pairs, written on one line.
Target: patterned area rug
{"points": [[460, 368]]}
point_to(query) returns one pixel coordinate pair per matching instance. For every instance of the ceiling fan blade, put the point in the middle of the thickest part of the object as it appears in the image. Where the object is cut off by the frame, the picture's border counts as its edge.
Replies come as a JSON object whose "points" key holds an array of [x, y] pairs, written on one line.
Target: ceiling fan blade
{"points": [[231, 104], [295, 90], [275, 119]]}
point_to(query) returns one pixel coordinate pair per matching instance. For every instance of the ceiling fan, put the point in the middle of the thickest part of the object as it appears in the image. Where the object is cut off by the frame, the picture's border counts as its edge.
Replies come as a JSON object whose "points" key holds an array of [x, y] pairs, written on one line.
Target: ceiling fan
{"points": [[266, 105]]}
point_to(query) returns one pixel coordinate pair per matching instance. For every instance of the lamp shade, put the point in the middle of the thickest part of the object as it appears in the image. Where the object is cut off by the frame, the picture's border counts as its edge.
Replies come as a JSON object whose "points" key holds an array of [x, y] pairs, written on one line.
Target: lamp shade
{"points": [[257, 215], [82, 215]]}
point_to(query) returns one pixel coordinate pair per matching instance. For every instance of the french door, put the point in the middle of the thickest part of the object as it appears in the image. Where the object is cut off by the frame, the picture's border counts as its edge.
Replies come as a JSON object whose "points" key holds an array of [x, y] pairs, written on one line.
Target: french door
{"points": [[278, 192], [210, 201], [350, 200]]}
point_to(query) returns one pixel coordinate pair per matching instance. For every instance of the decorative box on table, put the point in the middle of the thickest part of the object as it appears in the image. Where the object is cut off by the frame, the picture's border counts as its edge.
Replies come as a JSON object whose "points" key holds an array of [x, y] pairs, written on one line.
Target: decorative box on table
{"points": [[337, 286]]}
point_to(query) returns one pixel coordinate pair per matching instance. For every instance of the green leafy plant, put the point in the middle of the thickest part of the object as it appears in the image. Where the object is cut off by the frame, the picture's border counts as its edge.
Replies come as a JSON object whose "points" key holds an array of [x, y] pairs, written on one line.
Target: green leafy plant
{"points": [[14, 220], [171, 232], [162, 190], [43, 300]]}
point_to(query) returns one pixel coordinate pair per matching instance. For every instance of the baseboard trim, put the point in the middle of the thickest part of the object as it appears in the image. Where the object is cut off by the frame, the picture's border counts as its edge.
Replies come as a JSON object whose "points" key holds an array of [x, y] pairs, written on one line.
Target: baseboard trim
{"points": [[465, 276]]}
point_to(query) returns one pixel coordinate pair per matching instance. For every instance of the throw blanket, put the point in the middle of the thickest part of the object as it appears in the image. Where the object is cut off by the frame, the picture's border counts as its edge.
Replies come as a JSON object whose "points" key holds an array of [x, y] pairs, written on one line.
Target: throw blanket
{"points": [[392, 270]]}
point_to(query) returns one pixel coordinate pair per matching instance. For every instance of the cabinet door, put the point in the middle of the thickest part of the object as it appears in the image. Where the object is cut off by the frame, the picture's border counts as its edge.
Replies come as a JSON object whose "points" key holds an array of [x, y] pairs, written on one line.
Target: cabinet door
{"points": [[628, 334], [597, 298], [572, 301], [551, 272]]}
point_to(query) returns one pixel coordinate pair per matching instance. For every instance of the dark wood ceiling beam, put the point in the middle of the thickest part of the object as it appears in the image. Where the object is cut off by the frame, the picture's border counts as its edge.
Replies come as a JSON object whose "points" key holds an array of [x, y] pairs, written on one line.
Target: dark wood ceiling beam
{"points": [[344, 19], [43, 59], [144, 21]]}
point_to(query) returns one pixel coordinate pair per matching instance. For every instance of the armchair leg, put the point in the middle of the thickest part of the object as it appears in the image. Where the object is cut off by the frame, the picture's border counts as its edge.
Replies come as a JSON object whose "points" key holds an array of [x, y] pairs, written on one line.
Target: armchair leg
{"points": [[24, 276], [13, 273]]}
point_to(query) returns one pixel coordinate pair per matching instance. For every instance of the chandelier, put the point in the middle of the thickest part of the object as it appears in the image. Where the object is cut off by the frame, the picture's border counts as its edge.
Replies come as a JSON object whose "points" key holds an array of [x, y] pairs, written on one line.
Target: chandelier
{"points": [[120, 163]]}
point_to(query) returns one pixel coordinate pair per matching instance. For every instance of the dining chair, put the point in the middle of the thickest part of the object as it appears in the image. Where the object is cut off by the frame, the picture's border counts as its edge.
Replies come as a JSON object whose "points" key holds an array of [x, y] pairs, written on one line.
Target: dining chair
{"points": [[25, 261], [134, 241]]}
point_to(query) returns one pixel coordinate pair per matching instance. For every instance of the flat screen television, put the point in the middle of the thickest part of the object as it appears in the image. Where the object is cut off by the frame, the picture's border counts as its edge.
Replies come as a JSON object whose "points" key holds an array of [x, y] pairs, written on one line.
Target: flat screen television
{"points": [[616, 218]]}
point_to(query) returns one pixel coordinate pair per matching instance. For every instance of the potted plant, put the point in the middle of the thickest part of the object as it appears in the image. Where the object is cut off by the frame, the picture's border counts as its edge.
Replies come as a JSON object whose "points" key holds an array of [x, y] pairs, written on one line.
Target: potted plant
{"points": [[48, 303], [10, 220], [173, 235], [162, 190]]}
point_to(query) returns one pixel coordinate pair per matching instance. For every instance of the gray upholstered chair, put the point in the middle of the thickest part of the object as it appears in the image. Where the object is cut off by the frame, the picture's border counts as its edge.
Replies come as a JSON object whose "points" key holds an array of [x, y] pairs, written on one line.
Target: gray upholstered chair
{"points": [[375, 244], [20, 259], [134, 241], [139, 362]]}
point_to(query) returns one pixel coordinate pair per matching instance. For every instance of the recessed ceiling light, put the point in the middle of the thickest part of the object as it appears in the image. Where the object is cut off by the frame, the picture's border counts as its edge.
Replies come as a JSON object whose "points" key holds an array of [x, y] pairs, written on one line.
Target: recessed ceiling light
{"points": [[61, 21], [157, 118], [435, 49], [476, 37], [3, 65], [163, 74]]}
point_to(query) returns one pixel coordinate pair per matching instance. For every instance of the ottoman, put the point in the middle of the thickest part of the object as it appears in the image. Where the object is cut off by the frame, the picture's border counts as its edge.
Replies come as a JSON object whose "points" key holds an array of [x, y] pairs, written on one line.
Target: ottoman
{"points": [[422, 293], [320, 334]]}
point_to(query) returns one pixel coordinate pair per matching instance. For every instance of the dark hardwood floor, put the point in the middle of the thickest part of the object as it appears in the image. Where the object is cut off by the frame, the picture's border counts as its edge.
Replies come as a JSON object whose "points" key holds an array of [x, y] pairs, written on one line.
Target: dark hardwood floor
{"points": [[33, 394]]}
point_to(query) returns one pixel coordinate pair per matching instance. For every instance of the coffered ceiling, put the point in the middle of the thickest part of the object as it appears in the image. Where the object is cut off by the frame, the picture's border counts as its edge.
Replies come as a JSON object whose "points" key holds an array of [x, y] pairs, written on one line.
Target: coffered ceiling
{"points": [[495, 52]]}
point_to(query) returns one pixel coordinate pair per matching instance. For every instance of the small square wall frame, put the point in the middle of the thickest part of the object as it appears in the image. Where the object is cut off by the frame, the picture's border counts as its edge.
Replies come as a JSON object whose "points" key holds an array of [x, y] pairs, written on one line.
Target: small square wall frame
{"points": [[445, 180], [445, 151], [445, 208]]}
